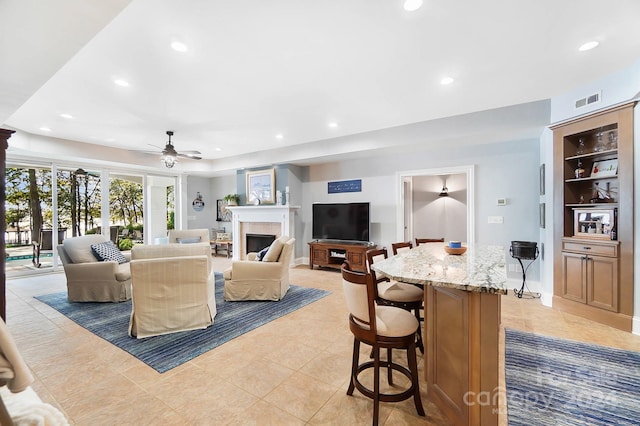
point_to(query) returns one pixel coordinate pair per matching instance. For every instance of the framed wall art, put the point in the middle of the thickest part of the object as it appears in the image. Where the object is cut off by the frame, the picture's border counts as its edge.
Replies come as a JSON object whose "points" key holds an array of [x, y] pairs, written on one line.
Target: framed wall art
{"points": [[604, 168], [223, 214], [260, 187]]}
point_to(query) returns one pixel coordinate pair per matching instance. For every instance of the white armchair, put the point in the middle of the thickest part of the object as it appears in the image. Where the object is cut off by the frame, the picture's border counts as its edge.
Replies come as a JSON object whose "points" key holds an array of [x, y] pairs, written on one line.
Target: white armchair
{"points": [[90, 280], [173, 289], [261, 280]]}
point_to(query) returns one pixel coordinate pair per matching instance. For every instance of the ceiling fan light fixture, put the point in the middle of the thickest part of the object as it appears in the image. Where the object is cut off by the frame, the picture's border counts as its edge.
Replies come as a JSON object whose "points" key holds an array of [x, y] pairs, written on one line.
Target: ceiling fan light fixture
{"points": [[168, 160]]}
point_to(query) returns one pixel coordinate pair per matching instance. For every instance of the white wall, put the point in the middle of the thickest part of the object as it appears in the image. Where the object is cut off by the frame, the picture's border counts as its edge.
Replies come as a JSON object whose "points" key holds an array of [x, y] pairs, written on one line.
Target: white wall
{"points": [[440, 217]]}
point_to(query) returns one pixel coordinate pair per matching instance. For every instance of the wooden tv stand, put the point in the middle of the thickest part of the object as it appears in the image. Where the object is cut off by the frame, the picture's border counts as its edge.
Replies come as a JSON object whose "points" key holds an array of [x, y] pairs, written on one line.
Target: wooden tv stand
{"points": [[332, 254]]}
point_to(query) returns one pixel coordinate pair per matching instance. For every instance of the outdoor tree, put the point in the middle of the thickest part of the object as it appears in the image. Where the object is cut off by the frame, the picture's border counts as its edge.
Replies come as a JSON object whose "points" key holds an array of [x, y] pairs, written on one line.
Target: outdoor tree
{"points": [[17, 199], [34, 204], [125, 200]]}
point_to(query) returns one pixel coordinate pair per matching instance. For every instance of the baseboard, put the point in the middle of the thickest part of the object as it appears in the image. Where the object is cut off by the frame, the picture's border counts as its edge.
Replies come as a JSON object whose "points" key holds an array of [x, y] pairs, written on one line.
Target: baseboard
{"points": [[635, 327], [547, 299]]}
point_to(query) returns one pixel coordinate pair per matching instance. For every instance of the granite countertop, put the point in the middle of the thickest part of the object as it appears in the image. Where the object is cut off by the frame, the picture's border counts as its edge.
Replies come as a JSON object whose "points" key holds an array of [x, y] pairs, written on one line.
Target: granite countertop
{"points": [[482, 268]]}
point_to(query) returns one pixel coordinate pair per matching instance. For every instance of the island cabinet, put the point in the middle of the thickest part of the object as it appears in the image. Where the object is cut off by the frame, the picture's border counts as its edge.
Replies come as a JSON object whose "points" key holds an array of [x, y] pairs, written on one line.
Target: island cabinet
{"points": [[333, 254], [593, 216]]}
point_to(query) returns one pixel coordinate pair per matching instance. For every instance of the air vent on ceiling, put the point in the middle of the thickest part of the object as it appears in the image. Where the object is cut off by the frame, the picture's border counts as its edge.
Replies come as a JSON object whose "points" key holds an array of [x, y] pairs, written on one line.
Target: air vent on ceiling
{"points": [[588, 100]]}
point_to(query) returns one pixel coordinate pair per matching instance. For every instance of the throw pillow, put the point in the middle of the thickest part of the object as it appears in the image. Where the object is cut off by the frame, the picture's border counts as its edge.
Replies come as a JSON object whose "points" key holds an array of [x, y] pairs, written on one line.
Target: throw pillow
{"points": [[188, 240], [108, 251], [262, 252], [274, 252]]}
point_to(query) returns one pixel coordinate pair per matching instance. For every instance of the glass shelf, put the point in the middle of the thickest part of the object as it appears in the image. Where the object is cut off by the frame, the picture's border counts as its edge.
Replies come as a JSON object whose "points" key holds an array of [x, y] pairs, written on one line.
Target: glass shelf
{"points": [[588, 178], [591, 205], [594, 154]]}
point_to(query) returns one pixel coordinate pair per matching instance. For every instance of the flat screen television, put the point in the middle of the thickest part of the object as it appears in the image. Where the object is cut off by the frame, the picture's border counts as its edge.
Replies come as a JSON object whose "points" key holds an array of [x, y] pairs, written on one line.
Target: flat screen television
{"points": [[341, 221]]}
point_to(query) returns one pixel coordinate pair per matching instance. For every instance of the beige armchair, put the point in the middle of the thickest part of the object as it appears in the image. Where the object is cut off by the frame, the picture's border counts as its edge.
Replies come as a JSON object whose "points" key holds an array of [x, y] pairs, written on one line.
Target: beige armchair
{"points": [[260, 280], [173, 289], [90, 280]]}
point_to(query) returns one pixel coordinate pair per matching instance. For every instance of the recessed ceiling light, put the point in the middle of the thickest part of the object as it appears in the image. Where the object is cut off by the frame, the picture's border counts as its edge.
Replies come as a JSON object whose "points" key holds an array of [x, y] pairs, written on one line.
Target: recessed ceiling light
{"points": [[588, 46], [109, 140], [333, 124], [65, 115], [120, 82], [412, 5], [218, 149], [446, 80], [179, 46], [45, 129], [279, 136]]}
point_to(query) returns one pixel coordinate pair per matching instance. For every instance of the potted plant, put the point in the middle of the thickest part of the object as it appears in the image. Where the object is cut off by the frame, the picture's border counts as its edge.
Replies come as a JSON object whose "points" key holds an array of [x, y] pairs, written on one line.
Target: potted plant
{"points": [[232, 199]]}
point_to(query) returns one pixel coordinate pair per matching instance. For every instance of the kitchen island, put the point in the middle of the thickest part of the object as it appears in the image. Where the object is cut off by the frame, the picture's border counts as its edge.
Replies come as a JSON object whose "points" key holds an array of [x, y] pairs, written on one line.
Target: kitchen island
{"points": [[461, 325]]}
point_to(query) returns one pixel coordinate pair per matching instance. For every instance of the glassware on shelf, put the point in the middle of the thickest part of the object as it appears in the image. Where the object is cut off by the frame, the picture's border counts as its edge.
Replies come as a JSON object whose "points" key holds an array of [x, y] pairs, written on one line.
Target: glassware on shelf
{"points": [[613, 139], [600, 144], [581, 201], [581, 148], [579, 172]]}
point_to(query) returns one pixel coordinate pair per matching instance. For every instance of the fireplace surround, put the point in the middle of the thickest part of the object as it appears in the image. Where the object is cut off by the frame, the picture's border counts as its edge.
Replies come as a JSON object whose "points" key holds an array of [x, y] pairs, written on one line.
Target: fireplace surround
{"points": [[263, 219]]}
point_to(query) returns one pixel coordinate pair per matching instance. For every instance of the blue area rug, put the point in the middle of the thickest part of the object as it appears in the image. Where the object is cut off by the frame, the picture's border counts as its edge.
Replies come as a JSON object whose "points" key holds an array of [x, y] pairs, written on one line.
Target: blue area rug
{"points": [[553, 381], [111, 322]]}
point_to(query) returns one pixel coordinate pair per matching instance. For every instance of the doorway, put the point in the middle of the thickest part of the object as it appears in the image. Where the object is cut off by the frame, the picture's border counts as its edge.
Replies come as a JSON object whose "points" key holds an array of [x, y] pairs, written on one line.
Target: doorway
{"points": [[411, 191]]}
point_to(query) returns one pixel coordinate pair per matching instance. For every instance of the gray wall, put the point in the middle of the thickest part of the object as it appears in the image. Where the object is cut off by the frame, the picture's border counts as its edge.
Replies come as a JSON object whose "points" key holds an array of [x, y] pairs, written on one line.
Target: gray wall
{"points": [[502, 170], [440, 217], [205, 218]]}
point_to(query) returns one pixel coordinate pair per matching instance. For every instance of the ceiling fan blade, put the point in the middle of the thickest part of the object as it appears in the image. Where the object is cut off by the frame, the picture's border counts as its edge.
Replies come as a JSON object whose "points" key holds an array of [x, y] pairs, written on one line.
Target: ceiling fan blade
{"points": [[191, 152], [191, 156], [155, 146]]}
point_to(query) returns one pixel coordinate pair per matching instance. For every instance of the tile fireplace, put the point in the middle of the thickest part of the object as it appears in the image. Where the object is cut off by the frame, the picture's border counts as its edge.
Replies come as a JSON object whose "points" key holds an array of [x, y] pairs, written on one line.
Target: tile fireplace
{"points": [[272, 220]]}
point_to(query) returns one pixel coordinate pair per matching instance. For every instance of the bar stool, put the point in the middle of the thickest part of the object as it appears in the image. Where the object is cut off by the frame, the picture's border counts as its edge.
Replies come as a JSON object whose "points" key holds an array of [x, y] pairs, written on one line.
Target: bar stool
{"points": [[401, 247], [392, 293], [381, 327], [428, 240]]}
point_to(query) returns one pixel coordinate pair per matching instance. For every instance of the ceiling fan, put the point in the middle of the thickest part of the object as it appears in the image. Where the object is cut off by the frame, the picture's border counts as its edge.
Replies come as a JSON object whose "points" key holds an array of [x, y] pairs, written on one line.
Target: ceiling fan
{"points": [[170, 155]]}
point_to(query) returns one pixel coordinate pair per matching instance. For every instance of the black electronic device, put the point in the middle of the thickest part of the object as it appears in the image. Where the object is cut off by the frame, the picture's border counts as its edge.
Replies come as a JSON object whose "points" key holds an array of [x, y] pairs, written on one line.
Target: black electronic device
{"points": [[341, 221]]}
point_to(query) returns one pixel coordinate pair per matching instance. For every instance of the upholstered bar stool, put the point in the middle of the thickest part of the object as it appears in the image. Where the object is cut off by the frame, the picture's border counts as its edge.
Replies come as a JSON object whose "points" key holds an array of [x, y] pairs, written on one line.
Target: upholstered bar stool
{"points": [[381, 327], [428, 240], [392, 293]]}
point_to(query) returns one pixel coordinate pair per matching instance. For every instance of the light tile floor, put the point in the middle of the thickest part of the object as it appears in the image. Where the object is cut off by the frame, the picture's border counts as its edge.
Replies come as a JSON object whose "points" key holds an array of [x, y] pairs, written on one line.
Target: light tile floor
{"points": [[292, 371]]}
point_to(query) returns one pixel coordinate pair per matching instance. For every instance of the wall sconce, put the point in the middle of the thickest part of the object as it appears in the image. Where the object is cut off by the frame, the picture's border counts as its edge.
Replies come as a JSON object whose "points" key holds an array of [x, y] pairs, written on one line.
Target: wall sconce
{"points": [[445, 191]]}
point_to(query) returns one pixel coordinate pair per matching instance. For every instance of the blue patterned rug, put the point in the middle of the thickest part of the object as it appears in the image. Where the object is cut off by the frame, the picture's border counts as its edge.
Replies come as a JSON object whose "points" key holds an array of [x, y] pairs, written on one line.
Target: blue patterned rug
{"points": [[111, 322], [553, 381]]}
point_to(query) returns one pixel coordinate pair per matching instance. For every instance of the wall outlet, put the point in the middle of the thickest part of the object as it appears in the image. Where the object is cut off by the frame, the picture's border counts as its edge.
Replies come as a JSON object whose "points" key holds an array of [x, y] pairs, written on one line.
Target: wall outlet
{"points": [[496, 219]]}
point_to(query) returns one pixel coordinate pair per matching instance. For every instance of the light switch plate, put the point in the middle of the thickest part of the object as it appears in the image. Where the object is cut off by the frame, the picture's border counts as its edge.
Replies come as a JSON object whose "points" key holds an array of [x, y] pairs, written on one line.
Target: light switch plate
{"points": [[496, 219], [501, 201]]}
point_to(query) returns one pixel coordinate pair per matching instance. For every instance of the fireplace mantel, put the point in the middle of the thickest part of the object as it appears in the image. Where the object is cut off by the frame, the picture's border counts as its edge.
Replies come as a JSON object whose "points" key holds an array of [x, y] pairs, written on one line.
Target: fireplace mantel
{"points": [[242, 216]]}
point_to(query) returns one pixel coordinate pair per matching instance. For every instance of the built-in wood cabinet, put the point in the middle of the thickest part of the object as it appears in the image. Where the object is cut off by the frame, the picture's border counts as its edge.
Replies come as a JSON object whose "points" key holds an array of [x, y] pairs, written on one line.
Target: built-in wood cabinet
{"points": [[590, 278], [333, 254], [593, 216]]}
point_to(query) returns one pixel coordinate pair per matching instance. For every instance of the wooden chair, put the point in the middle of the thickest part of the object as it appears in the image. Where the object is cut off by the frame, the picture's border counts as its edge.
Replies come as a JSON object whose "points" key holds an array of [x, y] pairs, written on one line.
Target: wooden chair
{"points": [[381, 327], [400, 247], [428, 240], [392, 293]]}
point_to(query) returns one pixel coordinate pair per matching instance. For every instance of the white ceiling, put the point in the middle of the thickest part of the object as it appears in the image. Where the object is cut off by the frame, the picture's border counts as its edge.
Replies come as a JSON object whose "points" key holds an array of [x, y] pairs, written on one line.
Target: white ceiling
{"points": [[257, 68]]}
